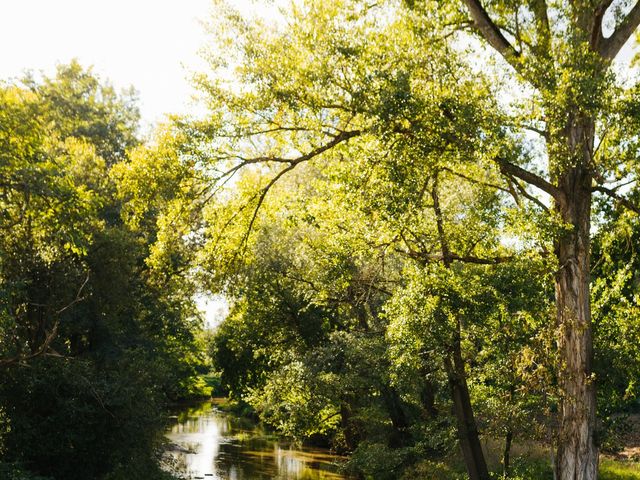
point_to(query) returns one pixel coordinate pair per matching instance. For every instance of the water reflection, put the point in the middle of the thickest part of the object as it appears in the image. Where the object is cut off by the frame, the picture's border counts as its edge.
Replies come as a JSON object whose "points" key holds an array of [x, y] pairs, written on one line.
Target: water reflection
{"points": [[209, 444]]}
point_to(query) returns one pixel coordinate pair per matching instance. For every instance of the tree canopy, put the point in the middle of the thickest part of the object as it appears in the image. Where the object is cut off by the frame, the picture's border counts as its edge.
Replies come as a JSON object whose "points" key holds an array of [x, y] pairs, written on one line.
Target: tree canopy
{"points": [[97, 334], [471, 137]]}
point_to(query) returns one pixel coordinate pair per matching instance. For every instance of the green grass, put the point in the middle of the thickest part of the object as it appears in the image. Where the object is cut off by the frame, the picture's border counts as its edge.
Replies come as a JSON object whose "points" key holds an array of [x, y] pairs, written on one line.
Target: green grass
{"points": [[610, 469], [526, 469], [619, 470]]}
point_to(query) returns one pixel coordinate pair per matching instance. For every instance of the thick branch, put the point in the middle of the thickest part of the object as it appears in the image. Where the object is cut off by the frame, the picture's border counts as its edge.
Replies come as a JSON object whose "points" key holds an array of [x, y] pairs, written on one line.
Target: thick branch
{"points": [[598, 16], [508, 168], [621, 200], [528, 196], [490, 31], [609, 47]]}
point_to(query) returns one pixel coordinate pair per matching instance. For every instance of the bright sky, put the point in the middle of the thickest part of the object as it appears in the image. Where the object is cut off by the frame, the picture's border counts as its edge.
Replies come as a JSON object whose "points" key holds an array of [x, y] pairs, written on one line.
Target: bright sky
{"points": [[150, 44]]}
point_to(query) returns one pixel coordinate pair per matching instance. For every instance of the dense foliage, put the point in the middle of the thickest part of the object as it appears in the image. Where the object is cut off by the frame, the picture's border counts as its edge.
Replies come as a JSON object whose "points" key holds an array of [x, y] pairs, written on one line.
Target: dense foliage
{"points": [[98, 332], [402, 222], [423, 216]]}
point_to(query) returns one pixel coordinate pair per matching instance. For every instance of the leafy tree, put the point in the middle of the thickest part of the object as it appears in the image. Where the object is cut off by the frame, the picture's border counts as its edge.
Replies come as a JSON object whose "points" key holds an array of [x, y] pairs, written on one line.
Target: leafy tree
{"points": [[319, 240], [333, 84], [98, 327]]}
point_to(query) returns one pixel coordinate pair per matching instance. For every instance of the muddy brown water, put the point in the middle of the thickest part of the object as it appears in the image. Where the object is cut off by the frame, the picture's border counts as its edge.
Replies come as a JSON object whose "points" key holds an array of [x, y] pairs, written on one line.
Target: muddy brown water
{"points": [[206, 443]]}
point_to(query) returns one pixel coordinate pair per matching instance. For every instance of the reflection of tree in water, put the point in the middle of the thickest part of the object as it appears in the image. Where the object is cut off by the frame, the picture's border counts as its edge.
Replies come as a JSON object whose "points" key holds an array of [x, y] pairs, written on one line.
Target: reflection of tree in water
{"points": [[216, 446], [174, 463]]}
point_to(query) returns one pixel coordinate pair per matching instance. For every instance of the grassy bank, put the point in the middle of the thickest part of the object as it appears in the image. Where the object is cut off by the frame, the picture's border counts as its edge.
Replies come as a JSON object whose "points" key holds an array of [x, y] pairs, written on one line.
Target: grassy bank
{"points": [[523, 468]]}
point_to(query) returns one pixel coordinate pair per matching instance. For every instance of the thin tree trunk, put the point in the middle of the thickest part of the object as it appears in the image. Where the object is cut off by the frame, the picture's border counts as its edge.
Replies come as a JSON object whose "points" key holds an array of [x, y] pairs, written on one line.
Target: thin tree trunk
{"points": [[506, 456], [465, 420], [577, 453], [350, 438], [454, 365], [428, 398]]}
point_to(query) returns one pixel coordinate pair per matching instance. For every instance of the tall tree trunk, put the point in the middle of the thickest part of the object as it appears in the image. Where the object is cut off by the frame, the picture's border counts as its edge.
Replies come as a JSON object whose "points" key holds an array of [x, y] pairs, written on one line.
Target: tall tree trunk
{"points": [[577, 454], [457, 377]]}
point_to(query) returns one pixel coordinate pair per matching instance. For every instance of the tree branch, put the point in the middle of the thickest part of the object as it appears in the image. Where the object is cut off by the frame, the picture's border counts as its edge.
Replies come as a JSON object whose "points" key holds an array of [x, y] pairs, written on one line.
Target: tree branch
{"points": [[490, 31], [473, 180], [618, 198], [540, 10], [508, 168], [438, 257], [609, 47], [528, 196], [337, 139], [41, 350], [50, 336]]}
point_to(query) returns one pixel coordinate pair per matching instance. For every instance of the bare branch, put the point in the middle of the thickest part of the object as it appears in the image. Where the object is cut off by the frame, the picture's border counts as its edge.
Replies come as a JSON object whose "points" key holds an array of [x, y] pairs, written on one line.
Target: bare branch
{"points": [[609, 47], [77, 299]]}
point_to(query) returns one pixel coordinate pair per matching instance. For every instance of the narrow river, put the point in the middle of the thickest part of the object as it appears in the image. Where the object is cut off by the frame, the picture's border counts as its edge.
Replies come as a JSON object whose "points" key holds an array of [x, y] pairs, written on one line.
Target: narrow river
{"points": [[209, 444]]}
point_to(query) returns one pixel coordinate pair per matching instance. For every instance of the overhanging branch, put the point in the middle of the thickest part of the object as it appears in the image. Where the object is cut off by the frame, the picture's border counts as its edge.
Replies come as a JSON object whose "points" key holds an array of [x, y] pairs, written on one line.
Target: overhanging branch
{"points": [[292, 163]]}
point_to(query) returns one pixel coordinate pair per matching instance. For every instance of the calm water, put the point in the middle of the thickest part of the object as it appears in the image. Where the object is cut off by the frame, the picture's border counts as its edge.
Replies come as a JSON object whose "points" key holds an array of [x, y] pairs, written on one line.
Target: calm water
{"points": [[210, 444]]}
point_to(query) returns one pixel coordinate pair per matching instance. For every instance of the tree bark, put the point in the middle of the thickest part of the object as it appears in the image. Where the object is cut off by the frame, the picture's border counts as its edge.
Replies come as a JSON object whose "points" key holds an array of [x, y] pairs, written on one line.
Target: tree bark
{"points": [[577, 452], [465, 420]]}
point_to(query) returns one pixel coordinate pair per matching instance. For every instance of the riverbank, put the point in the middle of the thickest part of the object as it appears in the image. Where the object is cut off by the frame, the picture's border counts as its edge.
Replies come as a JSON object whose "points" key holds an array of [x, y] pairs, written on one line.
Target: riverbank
{"points": [[222, 436]]}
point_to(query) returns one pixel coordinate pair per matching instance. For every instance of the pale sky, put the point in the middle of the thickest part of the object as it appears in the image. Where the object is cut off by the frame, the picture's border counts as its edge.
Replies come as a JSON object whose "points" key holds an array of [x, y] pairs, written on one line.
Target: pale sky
{"points": [[150, 44]]}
